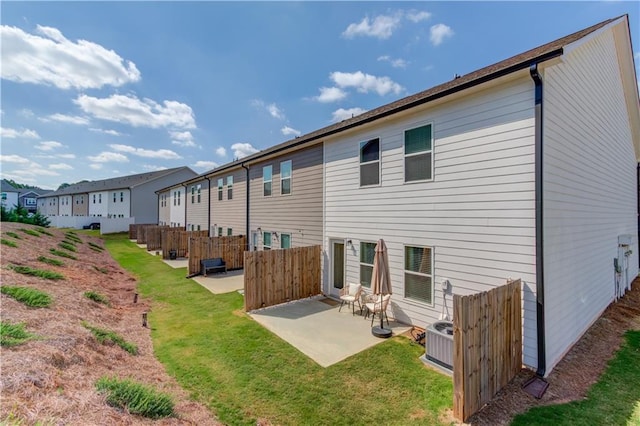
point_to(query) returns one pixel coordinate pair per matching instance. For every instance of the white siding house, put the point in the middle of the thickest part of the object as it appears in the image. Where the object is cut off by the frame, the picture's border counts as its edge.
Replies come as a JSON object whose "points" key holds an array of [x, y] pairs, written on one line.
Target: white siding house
{"points": [[119, 203], [66, 205], [177, 206], [99, 203]]}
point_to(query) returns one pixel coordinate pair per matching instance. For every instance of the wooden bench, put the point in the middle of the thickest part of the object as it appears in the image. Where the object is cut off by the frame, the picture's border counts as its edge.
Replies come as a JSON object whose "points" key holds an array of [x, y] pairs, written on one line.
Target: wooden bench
{"points": [[216, 265]]}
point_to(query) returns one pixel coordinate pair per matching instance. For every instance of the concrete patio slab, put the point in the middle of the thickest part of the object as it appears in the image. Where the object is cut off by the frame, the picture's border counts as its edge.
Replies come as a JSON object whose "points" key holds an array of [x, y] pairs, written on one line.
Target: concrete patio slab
{"points": [[222, 283], [317, 329], [177, 263]]}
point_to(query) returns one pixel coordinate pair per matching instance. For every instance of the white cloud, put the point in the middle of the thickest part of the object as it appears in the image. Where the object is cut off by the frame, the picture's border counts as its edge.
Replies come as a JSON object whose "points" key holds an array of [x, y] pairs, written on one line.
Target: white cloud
{"points": [[54, 156], [418, 15], [221, 151], [51, 59], [107, 131], [381, 26], [48, 145], [330, 94], [8, 133], [108, 157], [26, 113], [272, 109], [95, 166], [69, 156], [439, 32], [138, 112], [207, 165], [241, 150], [344, 114], [366, 82], [72, 119], [396, 63], [60, 166], [288, 131], [165, 154], [27, 168], [14, 159], [182, 138], [153, 168]]}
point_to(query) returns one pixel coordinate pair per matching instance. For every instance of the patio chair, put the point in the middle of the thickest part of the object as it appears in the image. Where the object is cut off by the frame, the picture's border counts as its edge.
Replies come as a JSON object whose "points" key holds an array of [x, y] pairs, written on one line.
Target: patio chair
{"points": [[373, 306], [350, 294]]}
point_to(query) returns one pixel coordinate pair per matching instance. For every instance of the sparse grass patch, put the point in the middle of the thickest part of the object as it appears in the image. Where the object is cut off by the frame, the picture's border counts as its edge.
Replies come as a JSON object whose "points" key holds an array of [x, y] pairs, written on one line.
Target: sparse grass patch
{"points": [[62, 254], [13, 334], [41, 273], [73, 237], [30, 232], [67, 246], [28, 296], [50, 261], [8, 243], [97, 297], [99, 269], [136, 398], [106, 336], [44, 231], [13, 235]]}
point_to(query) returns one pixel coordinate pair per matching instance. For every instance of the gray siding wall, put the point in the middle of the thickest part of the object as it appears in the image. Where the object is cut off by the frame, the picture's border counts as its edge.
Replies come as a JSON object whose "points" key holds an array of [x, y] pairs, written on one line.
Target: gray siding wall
{"points": [[298, 214], [231, 213], [81, 205], [144, 200], [197, 206]]}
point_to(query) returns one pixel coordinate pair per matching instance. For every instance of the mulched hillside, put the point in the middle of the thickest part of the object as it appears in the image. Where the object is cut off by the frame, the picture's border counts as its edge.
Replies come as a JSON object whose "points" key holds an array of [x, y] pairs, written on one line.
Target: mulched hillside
{"points": [[51, 379]]}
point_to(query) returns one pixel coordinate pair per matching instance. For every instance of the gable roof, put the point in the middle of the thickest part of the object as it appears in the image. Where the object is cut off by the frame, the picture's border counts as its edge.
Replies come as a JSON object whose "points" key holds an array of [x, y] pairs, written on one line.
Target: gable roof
{"points": [[121, 182], [515, 63], [7, 187]]}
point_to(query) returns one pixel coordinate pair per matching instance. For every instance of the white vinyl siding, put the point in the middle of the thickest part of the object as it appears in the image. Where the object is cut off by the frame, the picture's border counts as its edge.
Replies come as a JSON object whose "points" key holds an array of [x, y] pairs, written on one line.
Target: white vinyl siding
{"points": [[477, 212], [198, 211], [231, 213], [176, 210], [590, 188]]}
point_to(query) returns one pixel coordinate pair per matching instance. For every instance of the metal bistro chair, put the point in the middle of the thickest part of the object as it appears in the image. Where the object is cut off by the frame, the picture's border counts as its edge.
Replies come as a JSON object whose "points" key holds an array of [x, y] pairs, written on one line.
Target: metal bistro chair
{"points": [[350, 294]]}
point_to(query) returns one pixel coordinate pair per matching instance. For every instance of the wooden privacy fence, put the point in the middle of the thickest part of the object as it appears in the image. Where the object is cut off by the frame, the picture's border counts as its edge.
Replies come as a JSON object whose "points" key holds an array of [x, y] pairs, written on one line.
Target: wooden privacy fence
{"points": [[154, 237], [487, 345], [133, 230], [277, 276], [142, 233], [178, 240], [230, 249]]}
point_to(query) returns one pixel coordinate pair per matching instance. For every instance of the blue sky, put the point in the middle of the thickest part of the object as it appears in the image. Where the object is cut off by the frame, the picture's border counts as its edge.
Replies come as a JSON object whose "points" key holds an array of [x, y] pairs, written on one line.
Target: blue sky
{"points": [[96, 90]]}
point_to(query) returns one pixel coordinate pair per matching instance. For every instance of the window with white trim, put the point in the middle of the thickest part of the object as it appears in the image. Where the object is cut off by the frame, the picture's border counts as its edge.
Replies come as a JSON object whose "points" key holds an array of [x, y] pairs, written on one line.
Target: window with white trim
{"points": [[199, 191], [114, 197], [285, 241], [285, 177], [193, 194], [219, 231], [94, 198], [418, 154], [266, 241], [367, 254], [418, 273], [179, 193], [229, 187], [220, 185], [99, 198], [122, 197], [267, 176], [370, 162], [229, 232]]}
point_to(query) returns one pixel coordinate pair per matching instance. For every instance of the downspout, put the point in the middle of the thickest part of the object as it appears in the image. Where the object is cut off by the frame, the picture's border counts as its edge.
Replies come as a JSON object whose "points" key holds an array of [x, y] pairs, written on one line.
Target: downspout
{"points": [[209, 207], [540, 322], [185, 208], [247, 213]]}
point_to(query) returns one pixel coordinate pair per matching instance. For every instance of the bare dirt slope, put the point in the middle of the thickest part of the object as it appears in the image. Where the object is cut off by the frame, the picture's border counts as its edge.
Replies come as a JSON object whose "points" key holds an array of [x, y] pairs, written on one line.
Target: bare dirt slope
{"points": [[52, 379]]}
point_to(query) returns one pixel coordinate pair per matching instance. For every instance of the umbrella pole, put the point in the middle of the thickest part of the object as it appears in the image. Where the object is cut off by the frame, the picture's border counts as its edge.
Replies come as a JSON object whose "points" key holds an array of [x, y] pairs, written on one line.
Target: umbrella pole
{"points": [[381, 332]]}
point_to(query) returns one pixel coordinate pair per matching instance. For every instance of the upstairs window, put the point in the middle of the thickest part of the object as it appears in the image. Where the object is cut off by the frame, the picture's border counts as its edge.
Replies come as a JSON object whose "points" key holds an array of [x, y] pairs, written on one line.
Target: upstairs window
{"points": [[370, 162], [114, 197], [229, 187], [193, 195], [99, 198], [418, 277], [285, 177], [367, 254], [122, 197], [175, 197], [199, 190], [267, 176], [418, 154], [220, 185], [94, 198], [179, 193]]}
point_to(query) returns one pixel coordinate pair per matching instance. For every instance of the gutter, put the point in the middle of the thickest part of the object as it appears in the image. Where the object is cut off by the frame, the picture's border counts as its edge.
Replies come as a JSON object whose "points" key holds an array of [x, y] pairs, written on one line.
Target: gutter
{"points": [[540, 322], [247, 213]]}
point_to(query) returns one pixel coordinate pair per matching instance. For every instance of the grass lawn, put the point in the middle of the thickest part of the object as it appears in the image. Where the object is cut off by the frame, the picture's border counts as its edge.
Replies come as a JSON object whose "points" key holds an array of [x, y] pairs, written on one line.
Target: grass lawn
{"points": [[244, 372], [613, 400]]}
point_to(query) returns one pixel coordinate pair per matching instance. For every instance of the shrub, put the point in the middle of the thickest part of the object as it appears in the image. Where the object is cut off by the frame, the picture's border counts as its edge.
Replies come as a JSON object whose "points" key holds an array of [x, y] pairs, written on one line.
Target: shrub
{"points": [[42, 273], [97, 297], [62, 254], [50, 261], [65, 245], [136, 397], [30, 232], [13, 334], [28, 296], [107, 336], [44, 231], [13, 235], [20, 214], [8, 243]]}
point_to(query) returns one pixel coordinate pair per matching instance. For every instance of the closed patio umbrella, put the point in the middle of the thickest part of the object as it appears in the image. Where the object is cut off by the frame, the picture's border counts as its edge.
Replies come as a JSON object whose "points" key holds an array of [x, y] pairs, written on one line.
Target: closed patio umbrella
{"points": [[381, 283]]}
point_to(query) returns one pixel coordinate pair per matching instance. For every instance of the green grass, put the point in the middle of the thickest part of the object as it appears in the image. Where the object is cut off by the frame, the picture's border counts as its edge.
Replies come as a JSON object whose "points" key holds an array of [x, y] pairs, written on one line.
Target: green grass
{"points": [[41, 273], [28, 296], [8, 243], [107, 336], [67, 246], [136, 398], [70, 235], [13, 235], [243, 372], [97, 297], [44, 231], [31, 232], [96, 246], [13, 334], [49, 261], [62, 254], [613, 400]]}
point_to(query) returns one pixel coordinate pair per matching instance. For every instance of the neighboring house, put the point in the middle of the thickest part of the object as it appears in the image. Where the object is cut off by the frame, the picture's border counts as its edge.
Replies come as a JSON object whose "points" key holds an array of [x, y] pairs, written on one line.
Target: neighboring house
{"points": [[80, 204], [198, 208], [48, 205], [228, 201], [28, 198], [99, 203], [9, 195], [65, 205], [177, 206]]}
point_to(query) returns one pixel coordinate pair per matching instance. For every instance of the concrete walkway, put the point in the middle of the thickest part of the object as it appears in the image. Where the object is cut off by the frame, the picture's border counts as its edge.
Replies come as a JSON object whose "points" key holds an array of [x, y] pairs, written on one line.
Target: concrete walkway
{"points": [[317, 329], [222, 283]]}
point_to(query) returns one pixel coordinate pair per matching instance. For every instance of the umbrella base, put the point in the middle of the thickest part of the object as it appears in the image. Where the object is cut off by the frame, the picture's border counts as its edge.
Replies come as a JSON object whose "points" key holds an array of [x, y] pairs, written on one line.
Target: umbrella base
{"points": [[383, 333]]}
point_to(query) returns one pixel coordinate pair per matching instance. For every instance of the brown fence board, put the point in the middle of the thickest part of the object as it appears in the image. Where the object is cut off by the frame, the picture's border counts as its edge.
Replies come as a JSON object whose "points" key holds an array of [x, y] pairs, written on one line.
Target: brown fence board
{"points": [[278, 276], [178, 239], [487, 351], [134, 229], [230, 249], [154, 236]]}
